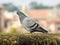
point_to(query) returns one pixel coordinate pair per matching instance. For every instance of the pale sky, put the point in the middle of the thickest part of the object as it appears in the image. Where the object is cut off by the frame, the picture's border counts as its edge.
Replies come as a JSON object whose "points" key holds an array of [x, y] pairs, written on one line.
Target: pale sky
{"points": [[26, 2]]}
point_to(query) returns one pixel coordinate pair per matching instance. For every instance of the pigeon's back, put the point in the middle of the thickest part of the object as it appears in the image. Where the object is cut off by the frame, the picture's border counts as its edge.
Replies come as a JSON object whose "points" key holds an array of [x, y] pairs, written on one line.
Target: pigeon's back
{"points": [[28, 22]]}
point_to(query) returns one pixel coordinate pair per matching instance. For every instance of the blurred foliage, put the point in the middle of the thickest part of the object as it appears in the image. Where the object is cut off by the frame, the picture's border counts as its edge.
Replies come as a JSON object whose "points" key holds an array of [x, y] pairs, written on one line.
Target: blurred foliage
{"points": [[13, 30], [29, 39], [35, 5], [10, 7], [58, 6]]}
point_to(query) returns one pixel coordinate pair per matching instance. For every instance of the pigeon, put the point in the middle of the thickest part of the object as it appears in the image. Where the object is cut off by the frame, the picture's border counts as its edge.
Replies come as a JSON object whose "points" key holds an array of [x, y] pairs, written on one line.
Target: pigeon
{"points": [[30, 24]]}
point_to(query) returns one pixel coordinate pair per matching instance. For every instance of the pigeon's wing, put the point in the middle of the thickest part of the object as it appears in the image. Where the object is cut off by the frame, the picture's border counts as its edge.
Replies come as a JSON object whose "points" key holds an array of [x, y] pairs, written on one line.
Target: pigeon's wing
{"points": [[31, 25], [27, 22]]}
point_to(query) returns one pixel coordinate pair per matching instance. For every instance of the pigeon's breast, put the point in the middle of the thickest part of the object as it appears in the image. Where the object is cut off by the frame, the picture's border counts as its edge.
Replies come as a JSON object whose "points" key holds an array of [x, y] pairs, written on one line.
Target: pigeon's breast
{"points": [[28, 22]]}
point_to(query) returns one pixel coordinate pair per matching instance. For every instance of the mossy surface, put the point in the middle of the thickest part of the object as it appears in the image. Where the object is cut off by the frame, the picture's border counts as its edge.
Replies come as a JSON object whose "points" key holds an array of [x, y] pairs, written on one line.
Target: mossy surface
{"points": [[30, 39]]}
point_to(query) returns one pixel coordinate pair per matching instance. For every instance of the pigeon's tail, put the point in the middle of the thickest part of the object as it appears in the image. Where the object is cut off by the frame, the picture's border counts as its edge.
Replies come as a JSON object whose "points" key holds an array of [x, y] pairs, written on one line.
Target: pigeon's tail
{"points": [[42, 30]]}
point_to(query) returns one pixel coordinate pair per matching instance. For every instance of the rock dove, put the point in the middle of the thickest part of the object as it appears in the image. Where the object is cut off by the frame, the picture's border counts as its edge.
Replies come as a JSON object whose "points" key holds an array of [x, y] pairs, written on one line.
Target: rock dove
{"points": [[30, 24]]}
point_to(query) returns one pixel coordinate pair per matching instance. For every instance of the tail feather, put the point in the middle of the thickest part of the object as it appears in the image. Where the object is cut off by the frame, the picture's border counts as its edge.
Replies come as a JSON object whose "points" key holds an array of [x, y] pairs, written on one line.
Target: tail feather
{"points": [[42, 30], [39, 30]]}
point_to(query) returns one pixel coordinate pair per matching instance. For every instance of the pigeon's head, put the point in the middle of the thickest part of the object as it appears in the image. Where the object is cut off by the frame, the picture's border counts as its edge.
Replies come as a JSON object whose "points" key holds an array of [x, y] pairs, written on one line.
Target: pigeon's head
{"points": [[20, 13]]}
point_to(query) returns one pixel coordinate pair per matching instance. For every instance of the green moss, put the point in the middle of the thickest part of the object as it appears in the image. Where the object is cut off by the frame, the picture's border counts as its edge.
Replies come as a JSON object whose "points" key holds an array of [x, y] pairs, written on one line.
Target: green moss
{"points": [[29, 39]]}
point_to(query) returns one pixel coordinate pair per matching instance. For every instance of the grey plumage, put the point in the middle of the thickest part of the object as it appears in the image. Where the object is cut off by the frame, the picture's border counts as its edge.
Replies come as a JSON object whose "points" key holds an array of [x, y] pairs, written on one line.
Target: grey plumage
{"points": [[30, 24]]}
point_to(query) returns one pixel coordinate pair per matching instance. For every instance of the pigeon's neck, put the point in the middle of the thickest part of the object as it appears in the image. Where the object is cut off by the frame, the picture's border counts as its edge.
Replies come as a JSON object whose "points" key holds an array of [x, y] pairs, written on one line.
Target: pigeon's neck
{"points": [[22, 17]]}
